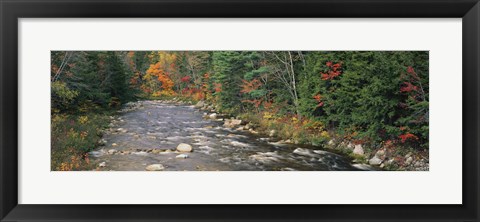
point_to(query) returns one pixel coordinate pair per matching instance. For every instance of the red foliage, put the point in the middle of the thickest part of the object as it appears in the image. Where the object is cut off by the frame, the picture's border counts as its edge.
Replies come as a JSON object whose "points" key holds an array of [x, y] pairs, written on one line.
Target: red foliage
{"points": [[250, 86], [318, 98], [412, 72], [334, 71], [255, 102], [185, 79], [218, 87], [407, 136], [408, 87]]}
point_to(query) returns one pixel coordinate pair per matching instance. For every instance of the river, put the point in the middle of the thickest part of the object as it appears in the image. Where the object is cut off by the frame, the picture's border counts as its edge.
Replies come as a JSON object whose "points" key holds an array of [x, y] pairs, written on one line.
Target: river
{"points": [[150, 134]]}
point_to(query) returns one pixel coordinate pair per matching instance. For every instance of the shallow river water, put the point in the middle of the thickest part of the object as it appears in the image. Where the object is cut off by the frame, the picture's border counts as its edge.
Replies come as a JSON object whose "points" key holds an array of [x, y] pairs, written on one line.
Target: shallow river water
{"points": [[150, 134]]}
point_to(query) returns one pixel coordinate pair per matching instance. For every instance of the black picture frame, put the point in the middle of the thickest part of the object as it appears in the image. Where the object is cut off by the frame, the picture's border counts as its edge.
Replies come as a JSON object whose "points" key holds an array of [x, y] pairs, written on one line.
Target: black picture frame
{"points": [[11, 11]]}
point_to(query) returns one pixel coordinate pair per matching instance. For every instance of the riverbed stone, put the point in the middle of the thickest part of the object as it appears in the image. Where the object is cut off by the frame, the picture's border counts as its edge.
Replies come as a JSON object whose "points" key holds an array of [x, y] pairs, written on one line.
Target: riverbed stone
{"points": [[272, 133], [358, 150], [182, 156], [331, 142], [375, 161], [232, 123], [155, 167], [102, 142], [112, 151], [96, 153], [380, 153], [200, 104], [350, 146], [102, 164], [183, 147], [252, 131], [213, 116], [408, 161]]}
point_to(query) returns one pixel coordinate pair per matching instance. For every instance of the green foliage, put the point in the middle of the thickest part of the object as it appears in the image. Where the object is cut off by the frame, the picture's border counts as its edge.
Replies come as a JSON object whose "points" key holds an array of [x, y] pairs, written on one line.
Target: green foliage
{"points": [[365, 99], [62, 96], [72, 136]]}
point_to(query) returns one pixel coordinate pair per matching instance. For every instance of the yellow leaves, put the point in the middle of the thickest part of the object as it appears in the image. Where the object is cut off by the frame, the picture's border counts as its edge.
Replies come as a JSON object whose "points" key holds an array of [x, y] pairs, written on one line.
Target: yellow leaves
{"points": [[295, 119], [157, 77], [74, 163], [267, 115], [325, 134], [83, 119]]}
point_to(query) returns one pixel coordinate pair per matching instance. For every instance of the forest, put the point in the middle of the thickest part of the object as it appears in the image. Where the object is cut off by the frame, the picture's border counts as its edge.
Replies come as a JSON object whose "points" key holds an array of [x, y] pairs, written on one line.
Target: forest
{"points": [[376, 99]]}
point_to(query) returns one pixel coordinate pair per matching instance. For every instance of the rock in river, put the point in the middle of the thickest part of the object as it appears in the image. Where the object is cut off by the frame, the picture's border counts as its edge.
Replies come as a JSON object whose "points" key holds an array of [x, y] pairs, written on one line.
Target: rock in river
{"points": [[200, 104], [182, 156], [183, 147], [213, 116], [155, 167], [232, 123], [375, 161]]}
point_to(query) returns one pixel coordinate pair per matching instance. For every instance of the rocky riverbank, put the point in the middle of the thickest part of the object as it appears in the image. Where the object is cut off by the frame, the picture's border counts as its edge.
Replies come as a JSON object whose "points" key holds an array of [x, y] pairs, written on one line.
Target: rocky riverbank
{"points": [[386, 157]]}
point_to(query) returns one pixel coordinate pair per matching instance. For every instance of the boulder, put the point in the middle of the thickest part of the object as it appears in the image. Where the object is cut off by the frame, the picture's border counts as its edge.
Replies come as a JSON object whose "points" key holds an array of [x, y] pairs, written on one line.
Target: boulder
{"points": [[375, 161], [200, 104], [380, 153], [408, 161], [272, 133], [213, 116], [232, 123], [102, 164], [331, 142], [183, 147], [112, 151], [358, 150], [155, 167], [350, 146]]}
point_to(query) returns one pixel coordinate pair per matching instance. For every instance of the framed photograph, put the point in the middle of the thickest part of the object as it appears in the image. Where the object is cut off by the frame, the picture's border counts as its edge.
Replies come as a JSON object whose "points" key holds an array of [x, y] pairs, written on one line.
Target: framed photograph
{"points": [[225, 110]]}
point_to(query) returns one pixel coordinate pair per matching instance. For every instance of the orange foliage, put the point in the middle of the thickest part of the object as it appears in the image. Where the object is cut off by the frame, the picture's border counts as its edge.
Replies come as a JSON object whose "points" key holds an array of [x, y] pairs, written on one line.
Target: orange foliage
{"points": [[250, 86], [160, 72]]}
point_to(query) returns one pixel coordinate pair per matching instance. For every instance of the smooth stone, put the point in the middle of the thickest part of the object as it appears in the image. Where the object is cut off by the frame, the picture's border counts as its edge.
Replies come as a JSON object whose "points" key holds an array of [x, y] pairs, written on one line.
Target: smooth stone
{"points": [[155, 167], [380, 153], [213, 116], [232, 123], [182, 156], [183, 147], [375, 161], [408, 161], [102, 164], [156, 151], [358, 150], [112, 151], [272, 133]]}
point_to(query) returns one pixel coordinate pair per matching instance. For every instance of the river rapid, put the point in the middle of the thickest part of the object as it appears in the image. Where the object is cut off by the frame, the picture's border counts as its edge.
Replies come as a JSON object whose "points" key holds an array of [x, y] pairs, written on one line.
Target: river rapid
{"points": [[149, 134]]}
